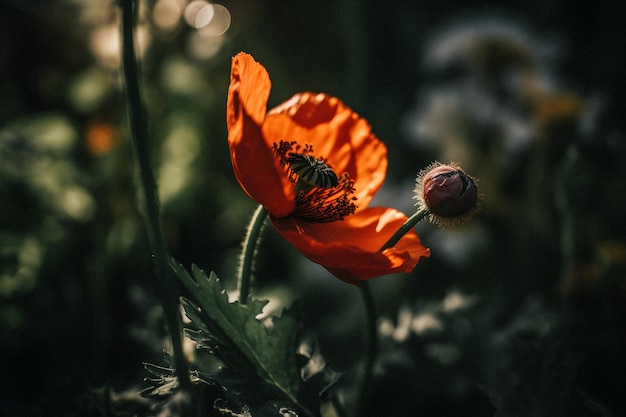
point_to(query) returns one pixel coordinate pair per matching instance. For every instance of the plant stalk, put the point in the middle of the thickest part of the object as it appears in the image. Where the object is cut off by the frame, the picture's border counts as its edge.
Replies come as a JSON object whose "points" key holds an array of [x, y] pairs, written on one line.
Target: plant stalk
{"points": [[139, 127]]}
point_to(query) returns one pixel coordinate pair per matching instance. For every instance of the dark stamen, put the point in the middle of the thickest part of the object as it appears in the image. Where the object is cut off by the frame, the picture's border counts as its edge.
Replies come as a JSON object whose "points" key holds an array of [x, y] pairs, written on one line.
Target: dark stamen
{"points": [[321, 196], [313, 171]]}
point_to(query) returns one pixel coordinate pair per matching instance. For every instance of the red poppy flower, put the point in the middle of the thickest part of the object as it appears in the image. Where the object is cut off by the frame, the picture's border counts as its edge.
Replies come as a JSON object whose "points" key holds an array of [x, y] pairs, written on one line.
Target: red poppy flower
{"points": [[315, 165]]}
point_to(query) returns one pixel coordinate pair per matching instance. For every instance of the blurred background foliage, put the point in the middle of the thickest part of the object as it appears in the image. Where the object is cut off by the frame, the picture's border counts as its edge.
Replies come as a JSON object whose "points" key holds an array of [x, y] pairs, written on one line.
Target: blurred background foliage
{"points": [[519, 313]]}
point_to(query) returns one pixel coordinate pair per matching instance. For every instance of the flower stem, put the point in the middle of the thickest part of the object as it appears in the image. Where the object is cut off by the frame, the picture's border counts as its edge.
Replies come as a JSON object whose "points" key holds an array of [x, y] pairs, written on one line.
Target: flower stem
{"points": [[248, 251], [148, 191], [244, 275], [404, 229]]}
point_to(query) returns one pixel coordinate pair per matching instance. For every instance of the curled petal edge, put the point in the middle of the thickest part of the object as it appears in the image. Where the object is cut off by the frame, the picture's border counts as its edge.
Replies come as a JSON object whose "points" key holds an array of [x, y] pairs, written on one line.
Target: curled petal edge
{"points": [[350, 249]]}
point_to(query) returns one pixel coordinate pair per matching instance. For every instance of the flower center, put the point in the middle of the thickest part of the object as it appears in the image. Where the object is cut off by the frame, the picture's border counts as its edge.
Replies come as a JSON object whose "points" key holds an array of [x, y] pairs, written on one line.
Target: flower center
{"points": [[312, 171], [321, 195]]}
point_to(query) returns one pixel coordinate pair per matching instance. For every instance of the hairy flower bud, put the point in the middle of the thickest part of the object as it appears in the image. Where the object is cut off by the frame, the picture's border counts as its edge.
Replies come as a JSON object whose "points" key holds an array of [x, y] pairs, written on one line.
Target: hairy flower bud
{"points": [[449, 194]]}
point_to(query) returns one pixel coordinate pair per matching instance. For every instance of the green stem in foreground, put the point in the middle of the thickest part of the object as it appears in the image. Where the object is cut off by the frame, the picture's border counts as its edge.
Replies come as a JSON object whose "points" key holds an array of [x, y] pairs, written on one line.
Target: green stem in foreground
{"points": [[244, 274], [248, 251], [370, 311], [139, 127]]}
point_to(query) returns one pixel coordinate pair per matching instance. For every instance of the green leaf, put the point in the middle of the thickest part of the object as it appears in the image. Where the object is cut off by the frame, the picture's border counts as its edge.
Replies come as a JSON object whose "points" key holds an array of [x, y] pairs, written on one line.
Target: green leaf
{"points": [[165, 381], [271, 351]]}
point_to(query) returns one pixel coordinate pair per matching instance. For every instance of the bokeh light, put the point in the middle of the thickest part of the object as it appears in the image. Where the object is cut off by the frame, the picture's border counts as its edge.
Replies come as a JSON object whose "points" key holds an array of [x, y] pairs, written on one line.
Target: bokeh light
{"points": [[211, 19], [167, 13], [193, 10], [100, 138], [218, 23], [202, 47], [211, 22], [204, 16], [105, 45]]}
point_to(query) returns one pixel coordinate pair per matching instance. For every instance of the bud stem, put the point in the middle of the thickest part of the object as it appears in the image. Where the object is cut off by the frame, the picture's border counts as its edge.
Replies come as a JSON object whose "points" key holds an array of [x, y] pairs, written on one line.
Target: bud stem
{"points": [[404, 229], [370, 309], [371, 352]]}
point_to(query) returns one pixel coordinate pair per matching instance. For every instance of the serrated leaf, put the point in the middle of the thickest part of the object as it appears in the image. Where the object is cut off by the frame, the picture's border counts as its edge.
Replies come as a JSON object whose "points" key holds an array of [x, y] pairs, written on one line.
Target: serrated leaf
{"points": [[194, 314], [272, 352], [160, 388], [166, 381]]}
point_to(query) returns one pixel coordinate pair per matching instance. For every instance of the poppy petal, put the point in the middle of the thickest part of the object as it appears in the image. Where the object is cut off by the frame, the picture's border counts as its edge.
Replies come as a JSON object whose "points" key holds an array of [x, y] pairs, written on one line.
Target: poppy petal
{"points": [[250, 87], [254, 163], [337, 134], [349, 249]]}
